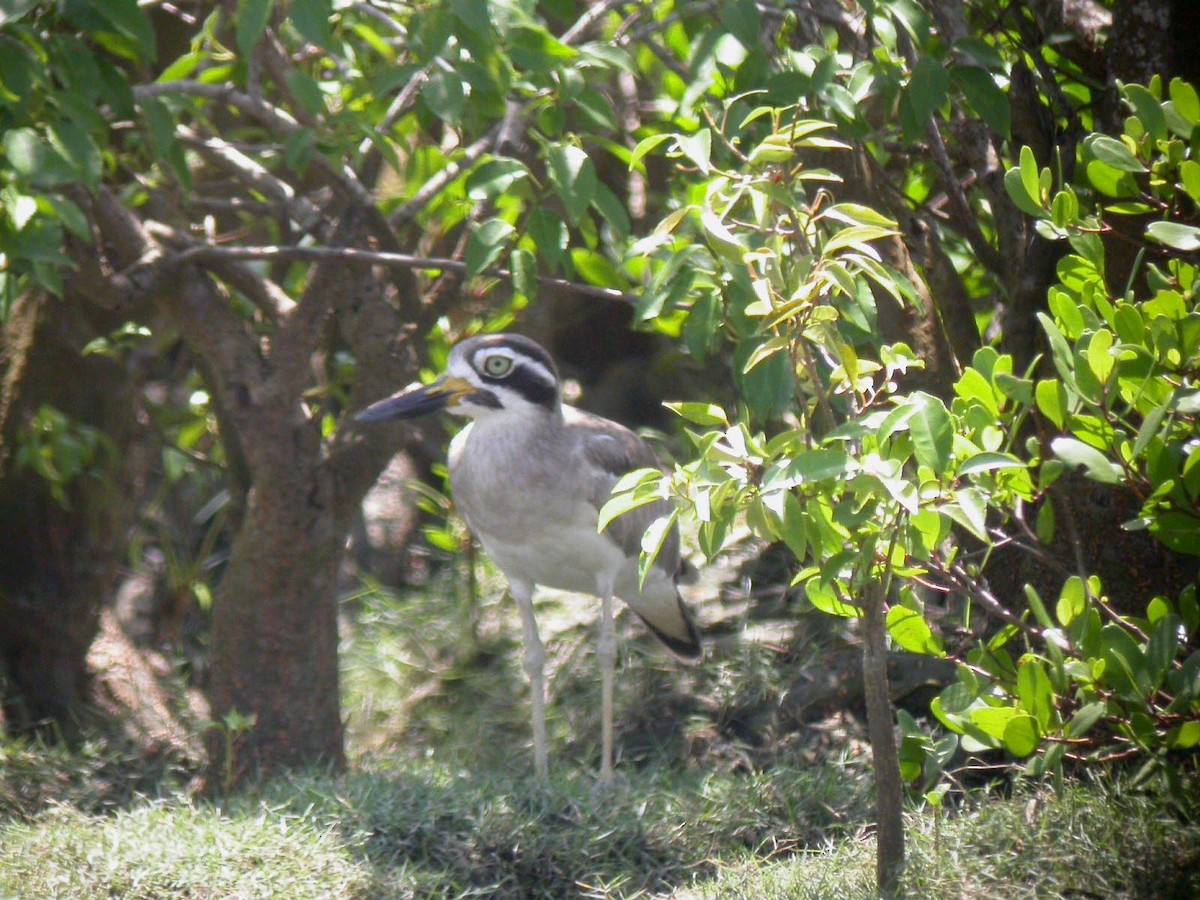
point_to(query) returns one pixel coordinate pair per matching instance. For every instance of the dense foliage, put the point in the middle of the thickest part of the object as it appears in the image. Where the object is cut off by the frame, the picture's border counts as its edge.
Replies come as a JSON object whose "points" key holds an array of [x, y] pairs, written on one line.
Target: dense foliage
{"points": [[946, 253]]}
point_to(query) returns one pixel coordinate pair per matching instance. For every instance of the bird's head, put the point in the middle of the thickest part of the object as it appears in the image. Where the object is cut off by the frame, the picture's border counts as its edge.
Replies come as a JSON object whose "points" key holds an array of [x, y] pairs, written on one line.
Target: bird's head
{"points": [[485, 376]]}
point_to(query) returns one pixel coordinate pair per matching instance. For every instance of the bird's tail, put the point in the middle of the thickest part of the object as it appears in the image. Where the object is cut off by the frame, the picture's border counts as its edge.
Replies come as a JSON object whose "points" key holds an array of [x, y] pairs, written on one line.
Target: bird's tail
{"points": [[677, 631]]}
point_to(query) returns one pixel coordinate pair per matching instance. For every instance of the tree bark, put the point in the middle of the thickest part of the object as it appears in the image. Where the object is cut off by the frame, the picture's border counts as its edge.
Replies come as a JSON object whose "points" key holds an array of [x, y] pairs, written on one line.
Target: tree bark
{"points": [[889, 813], [275, 620], [59, 557]]}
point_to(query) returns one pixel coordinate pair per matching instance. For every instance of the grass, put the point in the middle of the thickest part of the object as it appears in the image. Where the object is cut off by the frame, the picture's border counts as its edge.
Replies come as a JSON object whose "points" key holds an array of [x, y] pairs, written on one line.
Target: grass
{"points": [[438, 800]]}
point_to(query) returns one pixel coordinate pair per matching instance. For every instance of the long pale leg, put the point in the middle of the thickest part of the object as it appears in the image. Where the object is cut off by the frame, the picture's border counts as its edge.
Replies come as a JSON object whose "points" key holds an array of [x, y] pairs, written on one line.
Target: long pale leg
{"points": [[606, 653], [535, 658]]}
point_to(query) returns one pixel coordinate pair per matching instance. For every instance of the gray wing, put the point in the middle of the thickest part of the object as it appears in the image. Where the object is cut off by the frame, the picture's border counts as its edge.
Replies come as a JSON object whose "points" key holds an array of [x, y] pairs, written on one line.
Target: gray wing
{"points": [[611, 451]]}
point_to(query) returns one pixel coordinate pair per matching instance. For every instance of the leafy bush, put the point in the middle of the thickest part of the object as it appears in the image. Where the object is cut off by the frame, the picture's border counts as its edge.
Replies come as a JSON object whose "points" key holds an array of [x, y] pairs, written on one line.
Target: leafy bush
{"points": [[871, 483]]}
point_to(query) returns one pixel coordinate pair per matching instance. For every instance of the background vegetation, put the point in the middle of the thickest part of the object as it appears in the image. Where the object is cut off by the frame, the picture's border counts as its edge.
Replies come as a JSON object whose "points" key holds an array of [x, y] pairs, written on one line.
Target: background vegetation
{"points": [[919, 278]]}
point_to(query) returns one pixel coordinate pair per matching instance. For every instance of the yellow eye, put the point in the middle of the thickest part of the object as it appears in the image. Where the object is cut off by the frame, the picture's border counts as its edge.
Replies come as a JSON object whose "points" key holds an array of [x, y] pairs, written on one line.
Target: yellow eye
{"points": [[497, 366]]}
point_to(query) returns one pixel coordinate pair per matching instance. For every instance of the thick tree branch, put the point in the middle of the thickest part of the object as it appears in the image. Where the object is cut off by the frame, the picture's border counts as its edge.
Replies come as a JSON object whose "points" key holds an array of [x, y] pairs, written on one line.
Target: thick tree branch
{"points": [[266, 295]]}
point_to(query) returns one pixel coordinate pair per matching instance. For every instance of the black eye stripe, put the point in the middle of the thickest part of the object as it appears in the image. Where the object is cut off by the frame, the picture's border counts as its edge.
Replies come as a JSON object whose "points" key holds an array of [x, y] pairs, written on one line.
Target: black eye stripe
{"points": [[529, 383]]}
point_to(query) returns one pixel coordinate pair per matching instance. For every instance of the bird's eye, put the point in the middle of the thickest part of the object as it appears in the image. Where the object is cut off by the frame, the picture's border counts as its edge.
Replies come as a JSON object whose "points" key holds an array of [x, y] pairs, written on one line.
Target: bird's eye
{"points": [[497, 366]]}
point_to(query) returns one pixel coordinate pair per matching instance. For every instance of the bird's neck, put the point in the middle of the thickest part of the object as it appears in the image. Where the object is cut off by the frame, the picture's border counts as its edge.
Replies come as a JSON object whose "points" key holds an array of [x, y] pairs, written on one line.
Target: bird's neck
{"points": [[521, 425]]}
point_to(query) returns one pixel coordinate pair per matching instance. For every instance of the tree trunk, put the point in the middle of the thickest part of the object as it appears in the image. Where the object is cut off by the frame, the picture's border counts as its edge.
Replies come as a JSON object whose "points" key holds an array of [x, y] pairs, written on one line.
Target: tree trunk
{"points": [[889, 814], [59, 556], [274, 639]]}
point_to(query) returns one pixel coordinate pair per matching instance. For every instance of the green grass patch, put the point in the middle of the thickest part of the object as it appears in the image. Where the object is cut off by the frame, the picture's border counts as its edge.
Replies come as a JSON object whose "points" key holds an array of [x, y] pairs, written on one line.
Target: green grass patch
{"points": [[408, 827], [439, 801]]}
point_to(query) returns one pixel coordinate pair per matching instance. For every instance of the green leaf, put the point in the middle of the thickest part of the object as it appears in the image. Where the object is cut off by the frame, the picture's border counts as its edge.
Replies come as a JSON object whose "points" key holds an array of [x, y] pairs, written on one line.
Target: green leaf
{"points": [[720, 238], [71, 216], [35, 159], [810, 467], [911, 632], [523, 266], [1109, 181], [443, 94], [1184, 736], [1035, 692], [1021, 735], [1178, 531], [485, 245], [743, 20], [932, 431], [1186, 100], [1031, 176], [1175, 234], [128, 19], [855, 237], [1077, 454], [825, 598], [76, 147], [250, 23], [700, 413], [969, 510], [1189, 175], [533, 48], [1083, 720], [1162, 647], [1148, 110], [1113, 153], [653, 538], [986, 97], [311, 19], [987, 461], [1072, 601], [698, 148], [927, 87], [549, 232], [634, 490], [1183, 109], [494, 177], [992, 720], [12, 10], [1015, 185], [574, 177], [596, 268], [646, 145]]}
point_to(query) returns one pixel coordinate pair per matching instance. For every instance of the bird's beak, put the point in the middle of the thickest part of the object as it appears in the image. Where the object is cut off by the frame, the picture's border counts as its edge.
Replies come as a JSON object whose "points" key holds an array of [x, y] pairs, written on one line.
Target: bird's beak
{"points": [[428, 398]]}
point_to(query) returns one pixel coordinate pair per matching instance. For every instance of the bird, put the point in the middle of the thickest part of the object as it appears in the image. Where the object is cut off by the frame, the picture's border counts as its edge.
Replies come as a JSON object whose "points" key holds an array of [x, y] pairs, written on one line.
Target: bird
{"points": [[529, 475]]}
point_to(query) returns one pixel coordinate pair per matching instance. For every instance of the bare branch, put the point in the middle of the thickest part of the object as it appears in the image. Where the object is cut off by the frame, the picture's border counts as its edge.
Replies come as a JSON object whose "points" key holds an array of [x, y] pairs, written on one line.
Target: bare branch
{"points": [[228, 158], [434, 186], [354, 255], [270, 116], [960, 210], [266, 295]]}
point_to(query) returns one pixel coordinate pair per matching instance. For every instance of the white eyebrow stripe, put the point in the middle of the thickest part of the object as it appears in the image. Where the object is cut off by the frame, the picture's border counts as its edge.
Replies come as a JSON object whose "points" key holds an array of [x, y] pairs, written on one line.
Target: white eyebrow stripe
{"points": [[517, 357]]}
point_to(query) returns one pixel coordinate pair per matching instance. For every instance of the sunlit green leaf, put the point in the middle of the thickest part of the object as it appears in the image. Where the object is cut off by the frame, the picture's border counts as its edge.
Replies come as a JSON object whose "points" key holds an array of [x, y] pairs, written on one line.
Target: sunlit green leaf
{"points": [[911, 632], [1095, 464], [1175, 234], [251, 21]]}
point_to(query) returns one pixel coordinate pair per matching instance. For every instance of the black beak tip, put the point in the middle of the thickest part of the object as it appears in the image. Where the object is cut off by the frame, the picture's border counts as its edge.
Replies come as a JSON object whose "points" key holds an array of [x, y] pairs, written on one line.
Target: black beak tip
{"points": [[405, 405]]}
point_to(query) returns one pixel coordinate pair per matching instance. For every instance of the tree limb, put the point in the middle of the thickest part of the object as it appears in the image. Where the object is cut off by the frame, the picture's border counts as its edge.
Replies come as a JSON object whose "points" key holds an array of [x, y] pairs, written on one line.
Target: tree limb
{"points": [[354, 255]]}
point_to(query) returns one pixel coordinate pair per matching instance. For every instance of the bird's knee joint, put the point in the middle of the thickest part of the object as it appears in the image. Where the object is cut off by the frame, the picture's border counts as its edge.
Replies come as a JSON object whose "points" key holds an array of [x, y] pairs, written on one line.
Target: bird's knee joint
{"points": [[606, 646], [535, 658]]}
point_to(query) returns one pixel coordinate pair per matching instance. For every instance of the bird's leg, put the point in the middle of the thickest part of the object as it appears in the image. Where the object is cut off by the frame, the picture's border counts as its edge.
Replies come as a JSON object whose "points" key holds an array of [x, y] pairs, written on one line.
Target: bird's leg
{"points": [[606, 653], [535, 657]]}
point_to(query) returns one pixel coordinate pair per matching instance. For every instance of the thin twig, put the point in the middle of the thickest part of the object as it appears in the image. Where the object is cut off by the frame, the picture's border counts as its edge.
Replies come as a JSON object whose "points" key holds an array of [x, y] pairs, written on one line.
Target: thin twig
{"points": [[267, 114], [960, 208], [354, 255], [249, 172], [436, 183]]}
